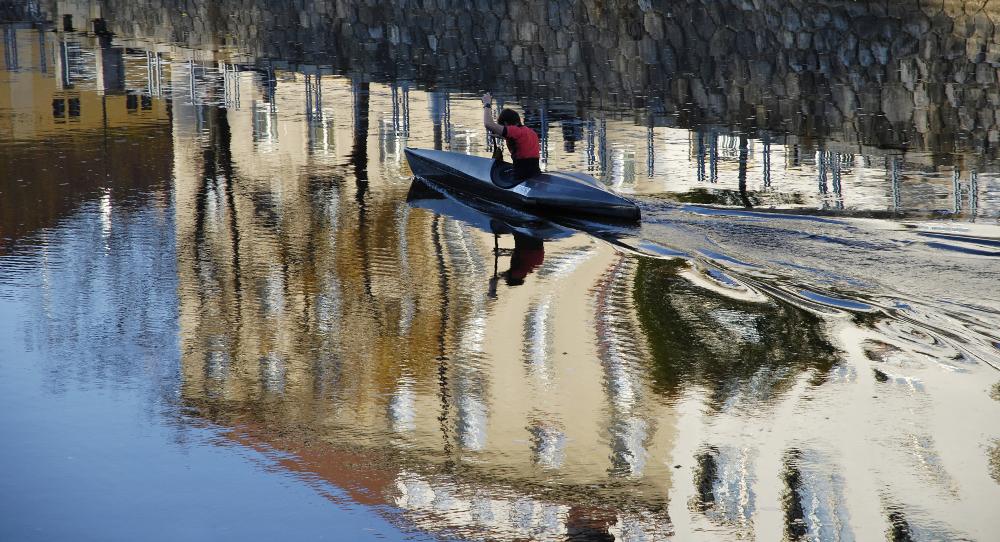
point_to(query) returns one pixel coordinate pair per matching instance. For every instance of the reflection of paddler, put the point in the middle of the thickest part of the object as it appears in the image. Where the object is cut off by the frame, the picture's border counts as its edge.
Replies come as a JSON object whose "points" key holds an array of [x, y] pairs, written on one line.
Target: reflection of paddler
{"points": [[528, 254]]}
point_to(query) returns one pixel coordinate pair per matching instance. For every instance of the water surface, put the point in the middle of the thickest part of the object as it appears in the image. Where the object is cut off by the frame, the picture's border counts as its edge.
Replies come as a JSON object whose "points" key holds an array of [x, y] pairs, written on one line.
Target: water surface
{"points": [[230, 310]]}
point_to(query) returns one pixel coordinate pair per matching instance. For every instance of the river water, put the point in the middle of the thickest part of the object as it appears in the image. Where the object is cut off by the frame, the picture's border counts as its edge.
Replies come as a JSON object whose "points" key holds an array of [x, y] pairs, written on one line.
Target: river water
{"points": [[229, 311]]}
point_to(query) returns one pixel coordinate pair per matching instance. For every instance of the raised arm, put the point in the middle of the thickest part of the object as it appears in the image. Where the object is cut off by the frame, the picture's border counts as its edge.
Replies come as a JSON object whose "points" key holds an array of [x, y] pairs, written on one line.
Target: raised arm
{"points": [[488, 121]]}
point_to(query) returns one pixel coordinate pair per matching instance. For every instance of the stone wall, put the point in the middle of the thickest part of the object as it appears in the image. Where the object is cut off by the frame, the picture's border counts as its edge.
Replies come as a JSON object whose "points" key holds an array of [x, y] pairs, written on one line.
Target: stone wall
{"points": [[888, 74], [18, 12]]}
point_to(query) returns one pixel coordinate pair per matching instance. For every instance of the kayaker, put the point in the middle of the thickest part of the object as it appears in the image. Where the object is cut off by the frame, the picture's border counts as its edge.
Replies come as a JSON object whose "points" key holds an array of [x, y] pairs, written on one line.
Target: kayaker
{"points": [[522, 142]]}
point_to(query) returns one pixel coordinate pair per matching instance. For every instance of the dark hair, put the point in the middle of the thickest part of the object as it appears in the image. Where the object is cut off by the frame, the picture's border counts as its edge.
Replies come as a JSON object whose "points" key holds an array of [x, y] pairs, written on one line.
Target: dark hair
{"points": [[508, 117]]}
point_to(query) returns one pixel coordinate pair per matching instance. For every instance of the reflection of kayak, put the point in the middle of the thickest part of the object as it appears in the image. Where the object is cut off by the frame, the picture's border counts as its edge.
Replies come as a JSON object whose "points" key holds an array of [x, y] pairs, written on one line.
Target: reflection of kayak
{"points": [[500, 219], [483, 215], [554, 192]]}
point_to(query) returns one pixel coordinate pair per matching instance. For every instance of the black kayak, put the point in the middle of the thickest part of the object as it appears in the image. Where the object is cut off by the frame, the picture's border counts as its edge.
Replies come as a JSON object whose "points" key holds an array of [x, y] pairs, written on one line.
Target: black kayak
{"points": [[550, 192]]}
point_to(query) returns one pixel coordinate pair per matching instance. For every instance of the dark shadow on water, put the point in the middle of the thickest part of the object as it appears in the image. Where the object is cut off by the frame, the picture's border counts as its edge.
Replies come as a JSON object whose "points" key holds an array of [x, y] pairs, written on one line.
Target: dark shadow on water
{"points": [[701, 338]]}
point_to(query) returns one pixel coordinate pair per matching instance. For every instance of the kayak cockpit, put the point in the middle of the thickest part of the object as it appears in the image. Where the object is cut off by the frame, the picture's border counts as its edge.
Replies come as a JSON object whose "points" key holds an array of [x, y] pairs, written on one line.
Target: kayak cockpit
{"points": [[502, 175]]}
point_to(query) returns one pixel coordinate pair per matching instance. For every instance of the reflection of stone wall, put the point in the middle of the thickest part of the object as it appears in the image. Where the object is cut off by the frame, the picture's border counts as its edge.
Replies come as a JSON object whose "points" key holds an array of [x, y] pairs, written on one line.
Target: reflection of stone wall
{"points": [[887, 74], [697, 336], [19, 11]]}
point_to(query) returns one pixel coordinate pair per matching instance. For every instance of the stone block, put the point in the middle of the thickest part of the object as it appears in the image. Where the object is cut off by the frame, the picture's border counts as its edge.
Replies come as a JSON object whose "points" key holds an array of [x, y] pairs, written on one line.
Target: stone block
{"points": [[880, 52], [628, 49], [553, 14], [983, 26], [992, 55], [653, 24], [761, 72], [963, 26], [735, 19], [904, 45], [745, 43], [791, 18], [792, 85], [804, 40], [648, 50], [897, 104], [567, 79], [908, 73], [721, 43], [608, 39], [985, 74], [491, 29], [966, 119], [674, 34], [974, 51], [573, 53], [951, 94], [847, 51], [515, 10], [698, 94], [464, 21], [959, 76], [916, 25], [845, 99], [984, 118], [772, 19], [920, 121], [787, 39], [703, 24]]}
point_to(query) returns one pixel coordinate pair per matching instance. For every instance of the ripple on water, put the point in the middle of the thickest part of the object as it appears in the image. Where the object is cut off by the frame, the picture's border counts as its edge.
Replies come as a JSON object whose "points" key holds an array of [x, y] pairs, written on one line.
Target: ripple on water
{"points": [[814, 502], [952, 339], [725, 480], [726, 284], [621, 356], [908, 383], [440, 504], [908, 522]]}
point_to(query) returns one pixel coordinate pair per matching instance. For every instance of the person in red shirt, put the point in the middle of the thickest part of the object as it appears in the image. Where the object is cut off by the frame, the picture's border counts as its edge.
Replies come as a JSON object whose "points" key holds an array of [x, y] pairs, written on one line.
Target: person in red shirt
{"points": [[522, 142]]}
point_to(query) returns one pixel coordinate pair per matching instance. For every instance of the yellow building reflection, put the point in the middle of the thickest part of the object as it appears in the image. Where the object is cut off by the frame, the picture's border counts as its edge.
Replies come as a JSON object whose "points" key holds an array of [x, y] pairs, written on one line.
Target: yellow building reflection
{"points": [[319, 310]]}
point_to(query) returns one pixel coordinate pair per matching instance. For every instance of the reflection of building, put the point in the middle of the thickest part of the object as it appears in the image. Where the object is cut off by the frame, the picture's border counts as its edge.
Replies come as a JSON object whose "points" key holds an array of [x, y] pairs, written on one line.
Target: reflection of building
{"points": [[366, 321], [316, 311], [323, 317], [56, 77], [71, 138]]}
